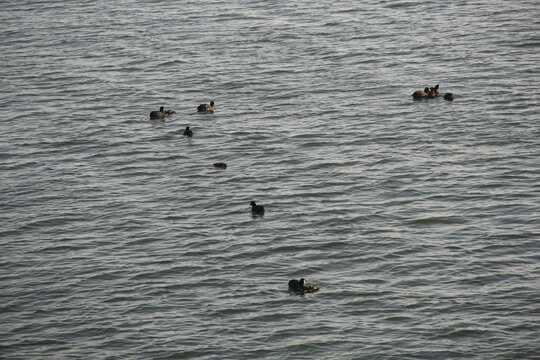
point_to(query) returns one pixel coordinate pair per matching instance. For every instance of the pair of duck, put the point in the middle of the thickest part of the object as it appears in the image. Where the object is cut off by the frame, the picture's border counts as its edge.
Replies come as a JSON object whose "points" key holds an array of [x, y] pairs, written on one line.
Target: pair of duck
{"points": [[427, 93], [430, 93], [162, 113], [201, 108], [298, 286], [188, 132]]}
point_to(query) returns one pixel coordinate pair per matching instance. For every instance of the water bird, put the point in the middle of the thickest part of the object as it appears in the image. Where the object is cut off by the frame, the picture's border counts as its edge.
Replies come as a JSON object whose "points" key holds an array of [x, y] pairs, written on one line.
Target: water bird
{"points": [[161, 113], [297, 284], [157, 114], [421, 94], [188, 132], [301, 286], [220, 164], [432, 93], [257, 209], [449, 96], [206, 107]]}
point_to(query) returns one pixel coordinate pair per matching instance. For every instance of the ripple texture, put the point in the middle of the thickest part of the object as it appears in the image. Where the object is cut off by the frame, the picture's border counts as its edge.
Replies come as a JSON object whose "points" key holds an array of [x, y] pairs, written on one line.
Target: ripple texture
{"points": [[418, 220]]}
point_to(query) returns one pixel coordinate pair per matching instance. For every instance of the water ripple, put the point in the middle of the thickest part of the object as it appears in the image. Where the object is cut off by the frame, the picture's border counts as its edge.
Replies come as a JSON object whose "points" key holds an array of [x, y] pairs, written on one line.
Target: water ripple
{"points": [[417, 219]]}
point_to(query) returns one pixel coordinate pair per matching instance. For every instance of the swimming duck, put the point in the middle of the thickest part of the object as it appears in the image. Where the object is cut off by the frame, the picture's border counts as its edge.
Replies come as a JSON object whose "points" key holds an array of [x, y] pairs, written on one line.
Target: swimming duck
{"points": [[297, 284], [257, 209], [157, 114], [206, 107], [169, 112], [301, 286], [449, 96], [421, 94], [433, 92], [188, 132], [220, 164]]}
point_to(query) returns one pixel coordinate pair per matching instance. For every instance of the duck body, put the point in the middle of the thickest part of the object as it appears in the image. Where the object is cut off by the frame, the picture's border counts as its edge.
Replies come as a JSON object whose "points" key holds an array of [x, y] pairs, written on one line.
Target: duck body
{"points": [[297, 284], [188, 132], [161, 113], [421, 94], [257, 209], [428, 93], [157, 114], [220, 164], [206, 107], [301, 286], [449, 96]]}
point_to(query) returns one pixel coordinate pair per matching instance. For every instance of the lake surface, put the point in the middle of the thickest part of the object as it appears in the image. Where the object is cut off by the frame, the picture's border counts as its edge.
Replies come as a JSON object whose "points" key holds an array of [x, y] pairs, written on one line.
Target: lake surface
{"points": [[418, 220]]}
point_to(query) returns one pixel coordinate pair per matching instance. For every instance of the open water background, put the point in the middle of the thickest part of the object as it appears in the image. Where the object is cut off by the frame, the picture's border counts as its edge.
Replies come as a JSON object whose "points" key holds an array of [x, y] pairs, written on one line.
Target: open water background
{"points": [[419, 220]]}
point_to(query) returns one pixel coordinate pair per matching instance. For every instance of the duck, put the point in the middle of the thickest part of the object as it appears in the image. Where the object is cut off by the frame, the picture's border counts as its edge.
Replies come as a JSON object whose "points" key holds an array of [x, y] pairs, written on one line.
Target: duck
{"points": [[421, 94], [257, 209], [161, 113], [449, 96], [206, 107], [220, 164], [297, 284], [188, 132], [301, 286], [433, 92], [157, 114]]}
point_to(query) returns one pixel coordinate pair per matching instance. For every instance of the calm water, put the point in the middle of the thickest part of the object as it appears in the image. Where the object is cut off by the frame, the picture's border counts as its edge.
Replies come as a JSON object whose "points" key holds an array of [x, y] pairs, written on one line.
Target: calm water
{"points": [[419, 220]]}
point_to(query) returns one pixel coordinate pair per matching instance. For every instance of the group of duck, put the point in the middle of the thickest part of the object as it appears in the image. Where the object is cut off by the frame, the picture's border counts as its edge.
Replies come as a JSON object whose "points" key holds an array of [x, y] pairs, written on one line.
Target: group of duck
{"points": [[300, 286], [297, 286], [431, 93], [161, 113]]}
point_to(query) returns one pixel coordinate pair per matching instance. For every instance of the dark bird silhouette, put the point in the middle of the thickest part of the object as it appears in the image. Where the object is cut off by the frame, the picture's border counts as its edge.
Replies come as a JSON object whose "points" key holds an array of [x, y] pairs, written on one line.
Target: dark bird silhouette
{"points": [[297, 284], [257, 209], [206, 107], [161, 113], [421, 94], [188, 132], [157, 114], [301, 287]]}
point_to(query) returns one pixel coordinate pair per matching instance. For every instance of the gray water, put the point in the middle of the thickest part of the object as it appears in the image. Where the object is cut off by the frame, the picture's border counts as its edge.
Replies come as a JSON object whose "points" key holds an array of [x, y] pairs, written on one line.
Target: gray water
{"points": [[418, 220]]}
